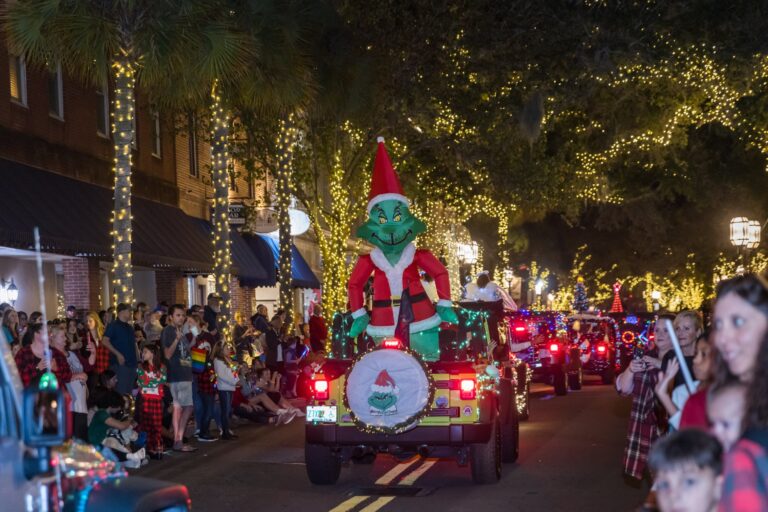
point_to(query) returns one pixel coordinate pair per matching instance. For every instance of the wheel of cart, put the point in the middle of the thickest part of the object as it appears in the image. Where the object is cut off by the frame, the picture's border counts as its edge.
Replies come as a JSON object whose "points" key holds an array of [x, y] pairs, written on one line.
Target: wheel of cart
{"points": [[509, 421]]}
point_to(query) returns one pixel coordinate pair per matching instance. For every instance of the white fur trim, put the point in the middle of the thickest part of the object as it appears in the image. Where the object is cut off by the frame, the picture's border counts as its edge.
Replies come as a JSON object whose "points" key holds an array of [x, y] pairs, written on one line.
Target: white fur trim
{"points": [[389, 330], [390, 196], [427, 323], [445, 303], [379, 139], [382, 389], [394, 273], [380, 330], [357, 314]]}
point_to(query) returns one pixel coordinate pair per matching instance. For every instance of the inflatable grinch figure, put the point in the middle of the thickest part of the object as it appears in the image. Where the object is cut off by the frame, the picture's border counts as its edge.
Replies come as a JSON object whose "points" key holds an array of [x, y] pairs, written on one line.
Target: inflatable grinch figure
{"points": [[401, 307]]}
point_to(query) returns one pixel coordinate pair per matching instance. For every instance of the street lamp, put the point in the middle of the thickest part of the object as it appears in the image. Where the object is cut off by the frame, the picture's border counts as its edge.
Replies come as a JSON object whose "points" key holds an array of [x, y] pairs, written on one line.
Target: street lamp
{"points": [[745, 235], [13, 292], [467, 253], [656, 296]]}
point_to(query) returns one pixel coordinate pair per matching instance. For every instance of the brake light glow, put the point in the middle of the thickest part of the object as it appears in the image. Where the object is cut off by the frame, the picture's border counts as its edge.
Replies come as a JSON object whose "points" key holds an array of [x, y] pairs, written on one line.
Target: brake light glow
{"points": [[391, 343], [601, 349], [467, 389], [554, 347], [321, 389], [520, 328]]}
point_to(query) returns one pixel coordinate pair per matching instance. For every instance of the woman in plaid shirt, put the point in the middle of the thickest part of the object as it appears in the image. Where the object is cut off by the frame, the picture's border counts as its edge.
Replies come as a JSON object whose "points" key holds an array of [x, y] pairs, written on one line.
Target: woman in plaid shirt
{"points": [[740, 333], [93, 334], [30, 360]]}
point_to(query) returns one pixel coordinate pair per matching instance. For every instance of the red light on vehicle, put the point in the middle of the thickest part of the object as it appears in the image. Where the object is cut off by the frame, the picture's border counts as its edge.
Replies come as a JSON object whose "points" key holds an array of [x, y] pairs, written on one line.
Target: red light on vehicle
{"points": [[467, 389], [321, 389], [520, 328], [554, 347], [601, 349], [391, 343]]}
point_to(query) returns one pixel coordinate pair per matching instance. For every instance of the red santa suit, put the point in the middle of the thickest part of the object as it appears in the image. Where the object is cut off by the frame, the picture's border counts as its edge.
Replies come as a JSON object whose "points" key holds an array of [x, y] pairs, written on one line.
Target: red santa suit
{"points": [[388, 284]]}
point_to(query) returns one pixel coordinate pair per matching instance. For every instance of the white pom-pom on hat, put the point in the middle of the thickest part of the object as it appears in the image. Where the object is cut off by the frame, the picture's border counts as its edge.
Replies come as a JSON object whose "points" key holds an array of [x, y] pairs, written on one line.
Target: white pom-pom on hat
{"points": [[379, 139]]}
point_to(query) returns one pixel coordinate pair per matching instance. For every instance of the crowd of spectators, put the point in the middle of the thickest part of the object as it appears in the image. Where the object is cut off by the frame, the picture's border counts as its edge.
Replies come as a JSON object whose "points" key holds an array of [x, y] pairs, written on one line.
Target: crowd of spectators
{"points": [[144, 382], [703, 446]]}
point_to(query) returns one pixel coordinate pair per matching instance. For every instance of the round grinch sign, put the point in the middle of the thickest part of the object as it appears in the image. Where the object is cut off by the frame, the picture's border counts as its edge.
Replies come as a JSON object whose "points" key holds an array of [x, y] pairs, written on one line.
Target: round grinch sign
{"points": [[388, 391]]}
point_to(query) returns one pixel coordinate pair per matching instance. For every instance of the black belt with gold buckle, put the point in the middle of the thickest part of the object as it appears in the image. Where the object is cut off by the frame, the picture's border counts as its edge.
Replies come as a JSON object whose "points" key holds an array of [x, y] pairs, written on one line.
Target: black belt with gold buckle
{"points": [[388, 303]]}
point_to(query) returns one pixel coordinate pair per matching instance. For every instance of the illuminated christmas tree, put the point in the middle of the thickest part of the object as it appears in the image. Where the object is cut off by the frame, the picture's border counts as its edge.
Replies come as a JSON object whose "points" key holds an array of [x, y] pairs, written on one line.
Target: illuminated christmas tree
{"points": [[580, 300], [617, 307]]}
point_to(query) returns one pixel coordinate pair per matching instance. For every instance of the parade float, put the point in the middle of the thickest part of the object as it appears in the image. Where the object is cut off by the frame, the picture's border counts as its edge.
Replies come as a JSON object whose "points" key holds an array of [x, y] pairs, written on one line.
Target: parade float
{"points": [[405, 395]]}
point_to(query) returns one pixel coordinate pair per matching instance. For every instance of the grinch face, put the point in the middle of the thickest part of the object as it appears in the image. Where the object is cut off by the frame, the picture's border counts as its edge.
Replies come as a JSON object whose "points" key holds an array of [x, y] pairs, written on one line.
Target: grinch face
{"points": [[391, 226], [382, 401]]}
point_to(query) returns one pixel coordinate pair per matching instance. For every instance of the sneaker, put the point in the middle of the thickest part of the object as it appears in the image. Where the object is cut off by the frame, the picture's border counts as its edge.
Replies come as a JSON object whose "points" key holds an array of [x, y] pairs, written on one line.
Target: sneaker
{"points": [[132, 464], [299, 413], [289, 417], [206, 438], [227, 437], [197, 433], [232, 434], [144, 461]]}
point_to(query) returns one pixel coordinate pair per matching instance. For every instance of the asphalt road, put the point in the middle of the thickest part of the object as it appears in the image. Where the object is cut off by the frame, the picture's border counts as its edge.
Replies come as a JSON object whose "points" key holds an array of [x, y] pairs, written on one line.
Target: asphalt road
{"points": [[570, 460]]}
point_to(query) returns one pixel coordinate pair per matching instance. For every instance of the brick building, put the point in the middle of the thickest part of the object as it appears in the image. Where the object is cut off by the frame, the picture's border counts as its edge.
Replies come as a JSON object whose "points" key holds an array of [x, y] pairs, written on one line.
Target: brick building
{"points": [[56, 167]]}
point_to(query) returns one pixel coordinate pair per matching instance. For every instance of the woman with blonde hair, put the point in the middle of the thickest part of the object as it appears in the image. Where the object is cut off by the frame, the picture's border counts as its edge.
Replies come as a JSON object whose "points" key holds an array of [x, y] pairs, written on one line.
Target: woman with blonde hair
{"points": [[94, 331]]}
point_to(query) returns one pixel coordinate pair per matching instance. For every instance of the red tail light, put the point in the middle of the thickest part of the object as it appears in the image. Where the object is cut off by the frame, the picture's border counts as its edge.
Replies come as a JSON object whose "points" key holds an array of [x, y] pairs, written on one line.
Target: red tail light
{"points": [[391, 343], [554, 347], [601, 349], [520, 328], [321, 389], [467, 389]]}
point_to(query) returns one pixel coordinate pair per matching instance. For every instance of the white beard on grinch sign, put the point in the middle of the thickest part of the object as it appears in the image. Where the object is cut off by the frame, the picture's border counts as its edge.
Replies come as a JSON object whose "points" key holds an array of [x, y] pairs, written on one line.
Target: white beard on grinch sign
{"points": [[387, 391]]}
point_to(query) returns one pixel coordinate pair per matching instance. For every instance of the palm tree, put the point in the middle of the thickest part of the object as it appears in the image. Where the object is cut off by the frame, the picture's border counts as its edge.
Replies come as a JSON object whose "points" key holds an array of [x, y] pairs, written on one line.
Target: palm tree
{"points": [[133, 42]]}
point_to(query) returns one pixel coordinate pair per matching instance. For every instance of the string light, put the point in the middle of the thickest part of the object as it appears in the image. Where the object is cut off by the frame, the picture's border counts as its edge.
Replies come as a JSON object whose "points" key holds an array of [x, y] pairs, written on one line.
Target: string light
{"points": [[123, 134], [220, 161], [285, 143]]}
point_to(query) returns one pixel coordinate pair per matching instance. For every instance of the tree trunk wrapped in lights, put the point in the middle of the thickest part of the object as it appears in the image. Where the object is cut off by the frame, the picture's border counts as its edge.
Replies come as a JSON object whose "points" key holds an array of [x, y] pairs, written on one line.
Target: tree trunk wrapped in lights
{"points": [[284, 179], [123, 133], [222, 261]]}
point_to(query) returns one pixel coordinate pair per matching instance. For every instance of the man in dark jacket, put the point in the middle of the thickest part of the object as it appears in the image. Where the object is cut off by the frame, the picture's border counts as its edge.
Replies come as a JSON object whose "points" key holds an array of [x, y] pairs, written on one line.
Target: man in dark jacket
{"points": [[211, 312]]}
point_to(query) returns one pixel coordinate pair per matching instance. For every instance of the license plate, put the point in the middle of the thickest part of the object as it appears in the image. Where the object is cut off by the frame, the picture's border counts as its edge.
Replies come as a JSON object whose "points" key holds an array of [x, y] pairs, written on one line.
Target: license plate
{"points": [[321, 413]]}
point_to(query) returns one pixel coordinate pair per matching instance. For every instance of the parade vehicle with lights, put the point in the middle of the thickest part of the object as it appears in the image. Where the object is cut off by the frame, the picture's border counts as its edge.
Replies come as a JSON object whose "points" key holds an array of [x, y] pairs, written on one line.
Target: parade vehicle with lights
{"points": [[389, 400], [42, 469], [633, 328], [540, 340], [599, 342]]}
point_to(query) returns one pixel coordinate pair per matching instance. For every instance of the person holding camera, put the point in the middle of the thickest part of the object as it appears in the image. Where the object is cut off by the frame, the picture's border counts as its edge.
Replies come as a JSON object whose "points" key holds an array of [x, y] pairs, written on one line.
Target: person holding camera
{"points": [[639, 381]]}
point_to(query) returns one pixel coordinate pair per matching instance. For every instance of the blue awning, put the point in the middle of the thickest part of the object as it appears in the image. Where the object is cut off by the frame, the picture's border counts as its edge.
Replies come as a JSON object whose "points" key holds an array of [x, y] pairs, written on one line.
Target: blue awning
{"points": [[267, 251], [73, 217]]}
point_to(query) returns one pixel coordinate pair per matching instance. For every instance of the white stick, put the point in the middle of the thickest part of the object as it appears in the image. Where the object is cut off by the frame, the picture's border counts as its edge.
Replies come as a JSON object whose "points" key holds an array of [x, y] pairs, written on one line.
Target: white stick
{"points": [[680, 357], [41, 285]]}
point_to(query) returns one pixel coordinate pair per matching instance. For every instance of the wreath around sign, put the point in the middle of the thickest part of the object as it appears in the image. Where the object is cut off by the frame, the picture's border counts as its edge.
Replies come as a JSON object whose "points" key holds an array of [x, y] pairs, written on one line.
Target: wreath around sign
{"points": [[403, 425]]}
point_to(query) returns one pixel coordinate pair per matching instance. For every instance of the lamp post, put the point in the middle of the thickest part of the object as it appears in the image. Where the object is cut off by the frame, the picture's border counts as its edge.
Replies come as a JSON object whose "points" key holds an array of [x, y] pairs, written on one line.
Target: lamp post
{"points": [[538, 288], [656, 296], [467, 254], [509, 275], [745, 235]]}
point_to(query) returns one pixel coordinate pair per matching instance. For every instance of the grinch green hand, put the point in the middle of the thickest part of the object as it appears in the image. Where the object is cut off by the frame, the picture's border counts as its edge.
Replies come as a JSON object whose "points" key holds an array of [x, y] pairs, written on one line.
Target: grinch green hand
{"points": [[359, 325], [447, 314]]}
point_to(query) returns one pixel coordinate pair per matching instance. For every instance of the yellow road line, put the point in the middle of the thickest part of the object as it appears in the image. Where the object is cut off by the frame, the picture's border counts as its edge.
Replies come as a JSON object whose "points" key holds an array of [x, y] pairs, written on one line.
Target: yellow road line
{"points": [[411, 478], [376, 505], [393, 473], [348, 505]]}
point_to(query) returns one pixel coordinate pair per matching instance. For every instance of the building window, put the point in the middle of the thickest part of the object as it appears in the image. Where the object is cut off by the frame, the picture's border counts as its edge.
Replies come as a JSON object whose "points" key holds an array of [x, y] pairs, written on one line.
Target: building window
{"points": [[194, 171], [18, 79], [102, 111], [55, 92], [156, 140]]}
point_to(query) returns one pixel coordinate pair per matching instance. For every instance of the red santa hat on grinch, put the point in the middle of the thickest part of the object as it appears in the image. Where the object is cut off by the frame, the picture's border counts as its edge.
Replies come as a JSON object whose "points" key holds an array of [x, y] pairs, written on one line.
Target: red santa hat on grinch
{"points": [[384, 383], [384, 183]]}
